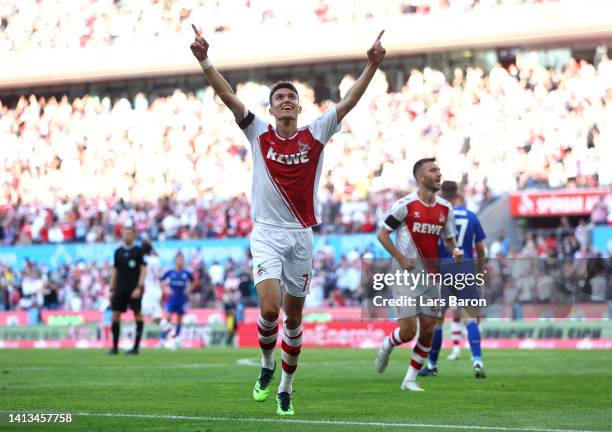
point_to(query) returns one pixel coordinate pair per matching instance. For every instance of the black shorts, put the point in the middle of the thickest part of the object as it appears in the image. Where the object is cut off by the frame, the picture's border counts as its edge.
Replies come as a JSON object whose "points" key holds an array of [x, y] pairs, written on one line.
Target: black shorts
{"points": [[122, 298]]}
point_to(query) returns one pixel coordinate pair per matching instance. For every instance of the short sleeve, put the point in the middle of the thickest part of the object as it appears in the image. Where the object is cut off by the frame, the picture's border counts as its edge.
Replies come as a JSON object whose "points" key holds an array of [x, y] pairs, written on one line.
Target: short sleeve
{"points": [[190, 276], [252, 126], [479, 234], [115, 258], [165, 276], [396, 216], [141, 258], [450, 230], [325, 126]]}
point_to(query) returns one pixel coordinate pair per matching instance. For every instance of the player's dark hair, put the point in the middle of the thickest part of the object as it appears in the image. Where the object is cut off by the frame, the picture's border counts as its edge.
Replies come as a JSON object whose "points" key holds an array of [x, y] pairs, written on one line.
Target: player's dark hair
{"points": [[282, 84], [419, 164], [449, 190]]}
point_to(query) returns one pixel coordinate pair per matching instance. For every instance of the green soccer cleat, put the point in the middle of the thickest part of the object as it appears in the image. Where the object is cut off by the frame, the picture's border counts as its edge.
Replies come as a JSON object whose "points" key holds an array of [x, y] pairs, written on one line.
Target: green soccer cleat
{"points": [[285, 407], [261, 391]]}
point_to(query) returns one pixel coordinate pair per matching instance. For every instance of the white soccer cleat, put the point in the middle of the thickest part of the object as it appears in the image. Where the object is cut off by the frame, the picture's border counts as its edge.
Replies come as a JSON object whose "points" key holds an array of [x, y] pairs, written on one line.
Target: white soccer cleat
{"points": [[454, 355], [411, 385], [176, 343], [382, 360], [171, 344]]}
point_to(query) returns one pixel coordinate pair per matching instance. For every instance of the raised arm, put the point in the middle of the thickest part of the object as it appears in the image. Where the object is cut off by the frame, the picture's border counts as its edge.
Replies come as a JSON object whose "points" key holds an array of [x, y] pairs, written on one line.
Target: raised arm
{"points": [[199, 48], [376, 54]]}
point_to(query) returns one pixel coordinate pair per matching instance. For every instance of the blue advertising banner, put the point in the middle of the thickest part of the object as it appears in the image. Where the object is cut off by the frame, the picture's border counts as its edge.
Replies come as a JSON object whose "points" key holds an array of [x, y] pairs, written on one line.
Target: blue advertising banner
{"points": [[209, 250], [602, 239]]}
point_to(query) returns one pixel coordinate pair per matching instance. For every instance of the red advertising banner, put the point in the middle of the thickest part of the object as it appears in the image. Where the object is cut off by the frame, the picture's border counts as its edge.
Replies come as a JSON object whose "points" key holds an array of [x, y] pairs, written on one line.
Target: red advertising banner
{"points": [[318, 315], [348, 334], [371, 335], [194, 316], [581, 344], [86, 344], [557, 203], [333, 334]]}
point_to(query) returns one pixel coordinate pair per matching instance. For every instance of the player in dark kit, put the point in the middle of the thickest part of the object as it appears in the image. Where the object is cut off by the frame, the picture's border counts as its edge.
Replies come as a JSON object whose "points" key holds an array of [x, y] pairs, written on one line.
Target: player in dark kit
{"points": [[127, 286]]}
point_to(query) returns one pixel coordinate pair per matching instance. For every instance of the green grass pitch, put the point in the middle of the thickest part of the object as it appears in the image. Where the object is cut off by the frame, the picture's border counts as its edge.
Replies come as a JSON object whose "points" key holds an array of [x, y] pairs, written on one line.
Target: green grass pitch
{"points": [[335, 390]]}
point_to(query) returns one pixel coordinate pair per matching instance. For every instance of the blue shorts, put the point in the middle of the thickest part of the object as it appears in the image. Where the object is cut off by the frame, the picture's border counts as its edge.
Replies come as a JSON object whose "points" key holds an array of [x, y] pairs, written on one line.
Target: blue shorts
{"points": [[469, 292], [177, 305], [466, 286]]}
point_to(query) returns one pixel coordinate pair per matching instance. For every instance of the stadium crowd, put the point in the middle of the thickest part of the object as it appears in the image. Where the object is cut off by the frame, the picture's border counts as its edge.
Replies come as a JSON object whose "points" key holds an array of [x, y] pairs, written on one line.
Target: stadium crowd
{"points": [[335, 282], [177, 165], [29, 25]]}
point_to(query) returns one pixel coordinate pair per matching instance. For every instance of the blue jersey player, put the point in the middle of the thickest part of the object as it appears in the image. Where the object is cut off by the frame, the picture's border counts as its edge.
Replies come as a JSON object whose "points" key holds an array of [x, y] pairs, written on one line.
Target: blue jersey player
{"points": [[470, 238], [179, 285]]}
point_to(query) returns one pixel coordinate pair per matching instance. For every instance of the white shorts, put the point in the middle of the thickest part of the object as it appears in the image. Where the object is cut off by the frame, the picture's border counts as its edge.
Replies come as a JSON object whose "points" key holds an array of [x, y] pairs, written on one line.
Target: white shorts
{"points": [[426, 301], [151, 306], [283, 254]]}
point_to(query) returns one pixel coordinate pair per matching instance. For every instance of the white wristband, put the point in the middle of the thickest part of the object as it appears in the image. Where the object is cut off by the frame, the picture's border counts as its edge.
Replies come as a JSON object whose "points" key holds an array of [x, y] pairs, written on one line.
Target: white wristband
{"points": [[206, 63]]}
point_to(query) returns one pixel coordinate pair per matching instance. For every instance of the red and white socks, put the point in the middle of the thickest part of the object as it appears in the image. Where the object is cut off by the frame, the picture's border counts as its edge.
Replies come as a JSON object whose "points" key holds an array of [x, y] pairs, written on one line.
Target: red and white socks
{"points": [[290, 350], [267, 331], [456, 336], [291, 347], [392, 340], [419, 356]]}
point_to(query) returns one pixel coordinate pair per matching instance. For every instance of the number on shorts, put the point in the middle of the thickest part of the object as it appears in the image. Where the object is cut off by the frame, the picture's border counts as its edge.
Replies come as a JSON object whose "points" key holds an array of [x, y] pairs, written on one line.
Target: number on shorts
{"points": [[306, 276]]}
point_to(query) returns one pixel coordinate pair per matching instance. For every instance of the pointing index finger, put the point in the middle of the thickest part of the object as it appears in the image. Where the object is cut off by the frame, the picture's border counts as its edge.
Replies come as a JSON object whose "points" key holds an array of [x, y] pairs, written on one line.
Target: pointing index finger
{"points": [[380, 35], [196, 31]]}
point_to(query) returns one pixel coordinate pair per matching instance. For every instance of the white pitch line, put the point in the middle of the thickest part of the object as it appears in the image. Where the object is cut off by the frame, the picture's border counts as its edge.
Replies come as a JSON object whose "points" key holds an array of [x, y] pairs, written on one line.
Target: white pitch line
{"points": [[257, 362], [328, 422]]}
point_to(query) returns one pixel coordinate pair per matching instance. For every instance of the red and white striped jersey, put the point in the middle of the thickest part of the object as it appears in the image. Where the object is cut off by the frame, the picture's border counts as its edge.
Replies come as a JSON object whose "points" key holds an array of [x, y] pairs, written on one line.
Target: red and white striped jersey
{"points": [[420, 226], [286, 171]]}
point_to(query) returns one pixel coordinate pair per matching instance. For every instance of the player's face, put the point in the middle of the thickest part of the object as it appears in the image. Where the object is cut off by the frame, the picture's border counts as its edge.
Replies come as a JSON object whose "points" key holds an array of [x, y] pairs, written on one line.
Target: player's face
{"points": [[129, 235], [285, 104], [431, 177], [180, 262]]}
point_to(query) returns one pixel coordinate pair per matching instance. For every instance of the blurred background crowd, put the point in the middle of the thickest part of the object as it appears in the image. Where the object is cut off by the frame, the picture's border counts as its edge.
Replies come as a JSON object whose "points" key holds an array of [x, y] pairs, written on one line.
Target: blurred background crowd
{"points": [[74, 169], [515, 277], [165, 162]]}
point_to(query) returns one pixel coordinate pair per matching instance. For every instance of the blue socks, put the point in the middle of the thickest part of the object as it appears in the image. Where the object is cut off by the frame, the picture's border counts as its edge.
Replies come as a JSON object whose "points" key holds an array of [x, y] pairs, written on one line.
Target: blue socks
{"points": [[436, 345], [473, 333]]}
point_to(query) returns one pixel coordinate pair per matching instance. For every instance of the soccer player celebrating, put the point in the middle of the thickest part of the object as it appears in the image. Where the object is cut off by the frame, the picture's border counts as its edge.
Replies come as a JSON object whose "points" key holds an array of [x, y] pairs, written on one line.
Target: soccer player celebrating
{"points": [[470, 236], [126, 285], [179, 282], [287, 164], [420, 219], [152, 297]]}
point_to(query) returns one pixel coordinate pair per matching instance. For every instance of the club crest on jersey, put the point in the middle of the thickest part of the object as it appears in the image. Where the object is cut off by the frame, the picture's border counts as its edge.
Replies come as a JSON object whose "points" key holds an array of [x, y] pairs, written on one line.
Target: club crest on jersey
{"points": [[288, 159], [303, 147], [417, 214], [442, 218]]}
